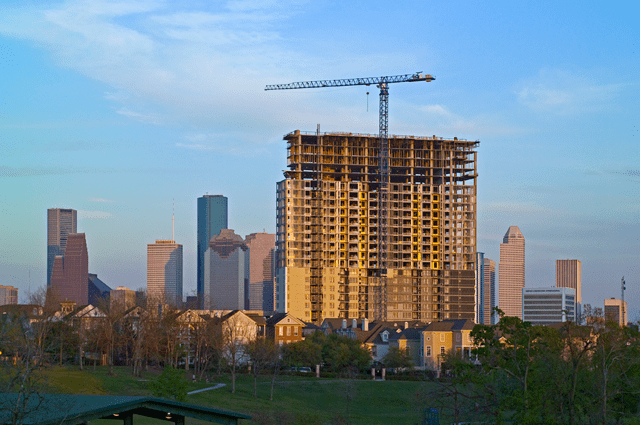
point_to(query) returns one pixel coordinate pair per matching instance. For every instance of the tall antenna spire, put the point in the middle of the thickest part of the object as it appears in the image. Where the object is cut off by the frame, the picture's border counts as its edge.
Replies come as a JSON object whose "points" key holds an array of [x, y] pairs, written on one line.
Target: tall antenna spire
{"points": [[173, 218]]}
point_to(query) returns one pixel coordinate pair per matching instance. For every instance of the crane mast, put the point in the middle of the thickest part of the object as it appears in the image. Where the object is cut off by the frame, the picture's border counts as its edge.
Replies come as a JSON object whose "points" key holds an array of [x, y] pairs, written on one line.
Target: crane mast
{"points": [[383, 166]]}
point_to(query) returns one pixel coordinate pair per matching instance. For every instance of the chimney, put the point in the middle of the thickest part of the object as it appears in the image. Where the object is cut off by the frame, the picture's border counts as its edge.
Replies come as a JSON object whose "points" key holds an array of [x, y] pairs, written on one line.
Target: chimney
{"points": [[354, 324], [365, 324], [344, 323]]}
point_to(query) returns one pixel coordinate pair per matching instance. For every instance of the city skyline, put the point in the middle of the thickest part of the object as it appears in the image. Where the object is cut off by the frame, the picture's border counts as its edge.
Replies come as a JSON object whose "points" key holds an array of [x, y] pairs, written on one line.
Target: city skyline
{"points": [[116, 109]]}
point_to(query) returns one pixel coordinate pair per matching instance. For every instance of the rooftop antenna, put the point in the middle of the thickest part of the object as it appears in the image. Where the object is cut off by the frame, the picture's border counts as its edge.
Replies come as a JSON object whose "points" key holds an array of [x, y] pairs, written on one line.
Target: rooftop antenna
{"points": [[623, 287], [173, 218]]}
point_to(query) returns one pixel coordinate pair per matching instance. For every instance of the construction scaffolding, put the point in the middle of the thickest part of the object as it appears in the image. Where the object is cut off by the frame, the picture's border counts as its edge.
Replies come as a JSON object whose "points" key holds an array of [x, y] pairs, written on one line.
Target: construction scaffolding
{"points": [[329, 209]]}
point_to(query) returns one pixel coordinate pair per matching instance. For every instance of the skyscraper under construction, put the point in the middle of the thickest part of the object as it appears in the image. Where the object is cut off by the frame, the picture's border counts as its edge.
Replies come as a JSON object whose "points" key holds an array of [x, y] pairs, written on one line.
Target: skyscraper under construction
{"points": [[334, 255]]}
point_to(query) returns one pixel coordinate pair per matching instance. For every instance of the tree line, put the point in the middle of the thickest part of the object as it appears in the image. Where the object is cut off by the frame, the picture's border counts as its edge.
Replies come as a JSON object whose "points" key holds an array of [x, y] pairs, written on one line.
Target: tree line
{"points": [[562, 374]]}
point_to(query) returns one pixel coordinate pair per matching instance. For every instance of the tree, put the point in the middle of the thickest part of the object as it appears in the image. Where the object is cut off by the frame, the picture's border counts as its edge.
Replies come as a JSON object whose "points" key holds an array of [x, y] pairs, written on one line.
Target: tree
{"points": [[398, 358], [170, 384], [237, 331], [262, 353], [307, 352], [341, 352], [21, 344]]}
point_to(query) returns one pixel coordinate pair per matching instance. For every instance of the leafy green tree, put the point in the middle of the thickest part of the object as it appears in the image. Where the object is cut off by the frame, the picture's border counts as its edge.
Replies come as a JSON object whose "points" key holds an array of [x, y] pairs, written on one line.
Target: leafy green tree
{"points": [[398, 358], [171, 383], [341, 353], [307, 352]]}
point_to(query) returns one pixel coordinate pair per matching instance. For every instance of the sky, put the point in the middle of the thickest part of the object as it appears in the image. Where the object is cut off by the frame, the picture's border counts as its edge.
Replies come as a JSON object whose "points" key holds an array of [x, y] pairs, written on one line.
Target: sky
{"points": [[130, 111]]}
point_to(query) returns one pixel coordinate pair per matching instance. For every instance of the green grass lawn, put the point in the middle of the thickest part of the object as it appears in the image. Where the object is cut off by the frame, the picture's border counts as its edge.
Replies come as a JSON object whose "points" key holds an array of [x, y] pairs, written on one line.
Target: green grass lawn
{"points": [[297, 400]]}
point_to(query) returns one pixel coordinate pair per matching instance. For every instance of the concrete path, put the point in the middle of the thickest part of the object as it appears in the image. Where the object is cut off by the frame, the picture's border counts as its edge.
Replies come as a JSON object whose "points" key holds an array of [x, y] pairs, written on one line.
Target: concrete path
{"points": [[215, 387]]}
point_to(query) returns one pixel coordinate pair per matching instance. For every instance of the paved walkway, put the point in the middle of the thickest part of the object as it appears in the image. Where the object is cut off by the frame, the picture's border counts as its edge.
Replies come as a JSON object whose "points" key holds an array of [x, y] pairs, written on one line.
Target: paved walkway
{"points": [[215, 387]]}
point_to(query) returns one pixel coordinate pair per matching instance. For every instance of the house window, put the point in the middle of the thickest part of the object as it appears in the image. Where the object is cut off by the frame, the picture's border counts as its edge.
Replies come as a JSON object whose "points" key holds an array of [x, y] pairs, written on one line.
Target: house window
{"points": [[288, 330], [385, 336], [428, 351], [280, 331], [441, 351], [295, 331]]}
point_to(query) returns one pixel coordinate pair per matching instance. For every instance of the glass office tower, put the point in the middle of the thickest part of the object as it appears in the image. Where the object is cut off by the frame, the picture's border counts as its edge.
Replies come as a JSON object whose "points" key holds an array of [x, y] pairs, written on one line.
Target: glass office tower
{"points": [[212, 217]]}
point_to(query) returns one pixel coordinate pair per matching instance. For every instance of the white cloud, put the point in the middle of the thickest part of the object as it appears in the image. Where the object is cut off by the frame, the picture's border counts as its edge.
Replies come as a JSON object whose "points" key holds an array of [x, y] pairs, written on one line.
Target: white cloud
{"points": [[94, 215], [440, 120], [565, 93], [145, 118], [201, 67], [101, 200]]}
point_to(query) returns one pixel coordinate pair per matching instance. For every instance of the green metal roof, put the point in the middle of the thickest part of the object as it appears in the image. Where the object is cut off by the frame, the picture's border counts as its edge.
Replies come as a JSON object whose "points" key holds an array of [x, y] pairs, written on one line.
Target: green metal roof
{"points": [[66, 409]]}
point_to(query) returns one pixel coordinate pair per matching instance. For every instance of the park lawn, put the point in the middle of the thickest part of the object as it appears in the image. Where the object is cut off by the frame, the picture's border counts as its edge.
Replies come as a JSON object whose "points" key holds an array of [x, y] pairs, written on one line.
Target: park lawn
{"points": [[297, 400]]}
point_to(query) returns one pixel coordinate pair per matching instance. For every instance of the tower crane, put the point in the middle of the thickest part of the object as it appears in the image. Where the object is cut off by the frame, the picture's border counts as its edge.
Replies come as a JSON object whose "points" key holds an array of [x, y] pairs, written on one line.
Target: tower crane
{"points": [[383, 162]]}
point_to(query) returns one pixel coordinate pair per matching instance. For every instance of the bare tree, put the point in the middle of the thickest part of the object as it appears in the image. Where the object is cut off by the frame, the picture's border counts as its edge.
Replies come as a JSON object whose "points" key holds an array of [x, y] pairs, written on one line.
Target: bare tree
{"points": [[261, 352], [237, 331]]}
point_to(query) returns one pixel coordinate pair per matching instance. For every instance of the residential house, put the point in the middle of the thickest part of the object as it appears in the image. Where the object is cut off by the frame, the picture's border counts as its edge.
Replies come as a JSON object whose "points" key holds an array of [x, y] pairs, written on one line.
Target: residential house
{"points": [[283, 328], [447, 336]]}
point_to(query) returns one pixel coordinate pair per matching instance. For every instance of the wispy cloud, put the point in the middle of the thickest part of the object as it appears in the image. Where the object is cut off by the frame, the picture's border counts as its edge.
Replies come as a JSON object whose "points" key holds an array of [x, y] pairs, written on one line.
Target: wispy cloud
{"points": [[441, 119], [199, 65], [101, 200], [565, 93], [6, 171], [94, 215], [145, 118]]}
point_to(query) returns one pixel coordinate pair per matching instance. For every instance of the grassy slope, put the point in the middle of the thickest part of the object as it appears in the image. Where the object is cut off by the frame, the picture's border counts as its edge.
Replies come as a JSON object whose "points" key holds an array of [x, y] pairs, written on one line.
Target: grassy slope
{"points": [[297, 400]]}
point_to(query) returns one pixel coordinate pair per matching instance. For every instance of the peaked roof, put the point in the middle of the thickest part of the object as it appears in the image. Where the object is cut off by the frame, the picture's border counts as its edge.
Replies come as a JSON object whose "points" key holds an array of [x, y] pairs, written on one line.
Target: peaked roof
{"points": [[74, 409], [450, 325], [278, 317], [100, 285]]}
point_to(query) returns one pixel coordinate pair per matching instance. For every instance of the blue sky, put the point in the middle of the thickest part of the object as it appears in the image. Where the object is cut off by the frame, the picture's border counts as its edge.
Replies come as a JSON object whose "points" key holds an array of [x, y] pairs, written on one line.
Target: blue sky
{"points": [[120, 109]]}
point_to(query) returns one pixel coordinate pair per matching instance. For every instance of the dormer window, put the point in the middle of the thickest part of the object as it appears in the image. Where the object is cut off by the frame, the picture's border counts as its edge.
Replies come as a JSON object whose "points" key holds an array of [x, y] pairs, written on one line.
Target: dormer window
{"points": [[385, 336]]}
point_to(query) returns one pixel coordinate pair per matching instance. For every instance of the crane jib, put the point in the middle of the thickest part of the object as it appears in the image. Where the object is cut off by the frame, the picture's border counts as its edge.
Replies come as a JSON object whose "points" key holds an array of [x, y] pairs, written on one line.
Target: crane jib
{"points": [[352, 82]]}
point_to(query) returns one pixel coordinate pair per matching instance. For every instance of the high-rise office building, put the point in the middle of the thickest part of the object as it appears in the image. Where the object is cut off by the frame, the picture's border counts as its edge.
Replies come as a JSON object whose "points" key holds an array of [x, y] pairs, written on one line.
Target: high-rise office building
{"points": [[569, 275], [480, 285], [329, 237], [60, 222], [70, 274], [212, 217], [226, 271], [122, 299], [543, 306], [615, 311], [8, 295], [489, 291], [164, 273], [261, 289], [511, 272]]}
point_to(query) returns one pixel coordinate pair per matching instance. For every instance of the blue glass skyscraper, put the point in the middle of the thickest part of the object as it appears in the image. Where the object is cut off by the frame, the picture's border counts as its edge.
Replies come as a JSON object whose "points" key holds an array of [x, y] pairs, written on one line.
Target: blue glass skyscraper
{"points": [[212, 217]]}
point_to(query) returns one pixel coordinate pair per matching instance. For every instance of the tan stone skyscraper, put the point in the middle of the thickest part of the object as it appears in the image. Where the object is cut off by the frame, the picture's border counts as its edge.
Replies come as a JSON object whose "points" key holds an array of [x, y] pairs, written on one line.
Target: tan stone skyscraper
{"points": [[261, 289], [569, 275], [511, 272], [164, 272], [333, 227]]}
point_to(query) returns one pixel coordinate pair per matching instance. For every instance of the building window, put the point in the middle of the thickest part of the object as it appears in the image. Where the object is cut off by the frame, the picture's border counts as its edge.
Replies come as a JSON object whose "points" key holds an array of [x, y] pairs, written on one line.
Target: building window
{"points": [[295, 331], [428, 351], [288, 330], [280, 331], [442, 351]]}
